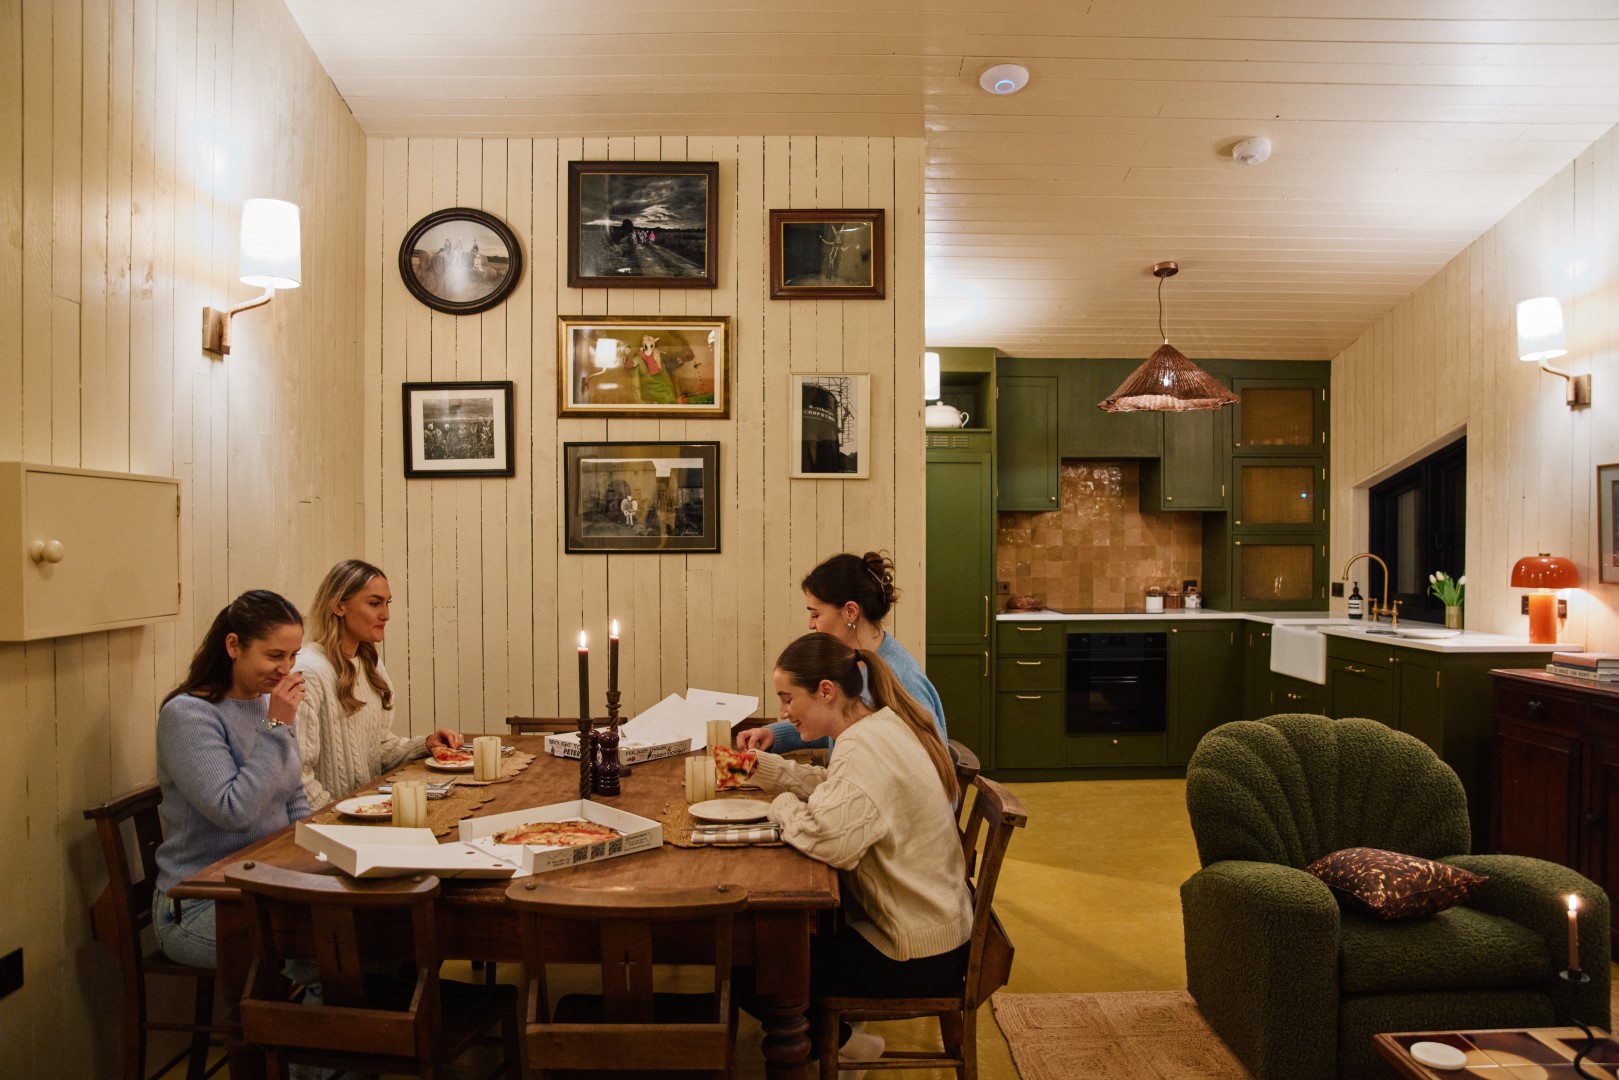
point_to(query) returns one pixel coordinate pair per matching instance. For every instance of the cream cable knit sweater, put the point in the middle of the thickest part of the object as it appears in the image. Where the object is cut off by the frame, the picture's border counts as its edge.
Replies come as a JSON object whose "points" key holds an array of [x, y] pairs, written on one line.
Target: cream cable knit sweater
{"points": [[877, 813], [342, 752]]}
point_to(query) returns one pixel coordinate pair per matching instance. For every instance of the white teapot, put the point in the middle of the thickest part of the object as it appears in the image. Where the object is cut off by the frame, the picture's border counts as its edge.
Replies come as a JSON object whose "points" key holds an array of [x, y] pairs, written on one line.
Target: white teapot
{"points": [[940, 415]]}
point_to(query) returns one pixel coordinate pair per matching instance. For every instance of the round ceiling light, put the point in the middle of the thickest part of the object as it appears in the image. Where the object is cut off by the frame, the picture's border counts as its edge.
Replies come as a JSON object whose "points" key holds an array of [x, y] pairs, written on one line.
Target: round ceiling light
{"points": [[1004, 79]]}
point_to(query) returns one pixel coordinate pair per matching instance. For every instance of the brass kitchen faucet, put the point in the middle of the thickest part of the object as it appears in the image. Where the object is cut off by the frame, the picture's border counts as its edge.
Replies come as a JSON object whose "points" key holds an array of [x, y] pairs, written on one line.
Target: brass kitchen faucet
{"points": [[1384, 608]]}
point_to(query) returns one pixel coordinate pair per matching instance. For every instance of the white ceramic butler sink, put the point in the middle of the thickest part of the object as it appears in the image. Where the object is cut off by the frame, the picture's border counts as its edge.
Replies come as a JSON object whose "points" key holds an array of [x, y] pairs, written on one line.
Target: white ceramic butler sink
{"points": [[1299, 650]]}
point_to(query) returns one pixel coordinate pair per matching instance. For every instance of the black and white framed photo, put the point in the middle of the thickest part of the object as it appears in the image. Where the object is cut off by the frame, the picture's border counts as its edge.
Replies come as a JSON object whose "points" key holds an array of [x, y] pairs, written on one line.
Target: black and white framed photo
{"points": [[460, 261], [831, 418], [656, 498], [643, 224], [827, 255], [1608, 524], [459, 429]]}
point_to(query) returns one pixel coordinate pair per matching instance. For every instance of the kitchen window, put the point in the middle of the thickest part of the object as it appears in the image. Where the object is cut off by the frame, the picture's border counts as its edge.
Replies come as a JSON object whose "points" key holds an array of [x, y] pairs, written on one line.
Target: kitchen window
{"points": [[1419, 526]]}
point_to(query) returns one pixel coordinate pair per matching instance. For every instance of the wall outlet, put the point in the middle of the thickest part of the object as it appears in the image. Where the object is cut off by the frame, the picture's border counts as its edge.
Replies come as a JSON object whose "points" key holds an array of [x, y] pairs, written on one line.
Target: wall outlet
{"points": [[1003, 588], [1337, 588], [11, 972], [1562, 609], [1524, 610]]}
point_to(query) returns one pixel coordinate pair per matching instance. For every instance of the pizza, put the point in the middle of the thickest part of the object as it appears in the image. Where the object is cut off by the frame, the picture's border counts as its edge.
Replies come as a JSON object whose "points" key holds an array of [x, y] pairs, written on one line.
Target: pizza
{"points": [[445, 756], [572, 833], [732, 767], [385, 808]]}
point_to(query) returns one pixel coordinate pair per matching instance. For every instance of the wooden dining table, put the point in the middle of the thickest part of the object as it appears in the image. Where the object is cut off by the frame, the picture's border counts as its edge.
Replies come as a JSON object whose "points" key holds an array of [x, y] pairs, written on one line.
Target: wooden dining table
{"points": [[786, 891]]}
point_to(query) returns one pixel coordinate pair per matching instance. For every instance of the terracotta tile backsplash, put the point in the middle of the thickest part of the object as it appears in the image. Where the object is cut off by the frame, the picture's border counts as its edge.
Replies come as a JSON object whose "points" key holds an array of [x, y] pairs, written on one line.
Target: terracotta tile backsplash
{"points": [[1099, 551]]}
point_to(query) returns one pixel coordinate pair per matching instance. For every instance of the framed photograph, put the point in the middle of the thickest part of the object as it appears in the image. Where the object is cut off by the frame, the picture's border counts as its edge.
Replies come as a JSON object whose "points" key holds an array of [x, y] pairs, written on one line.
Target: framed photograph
{"points": [[827, 255], [660, 497], [460, 261], [672, 366], [643, 224], [459, 429], [831, 418], [1608, 524]]}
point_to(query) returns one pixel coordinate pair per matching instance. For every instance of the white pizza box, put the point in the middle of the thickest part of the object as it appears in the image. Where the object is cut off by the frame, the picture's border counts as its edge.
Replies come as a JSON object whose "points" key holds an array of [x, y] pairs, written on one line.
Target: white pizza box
{"points": [[370, 851], [566, 745], [676, 725], [636, 834]]}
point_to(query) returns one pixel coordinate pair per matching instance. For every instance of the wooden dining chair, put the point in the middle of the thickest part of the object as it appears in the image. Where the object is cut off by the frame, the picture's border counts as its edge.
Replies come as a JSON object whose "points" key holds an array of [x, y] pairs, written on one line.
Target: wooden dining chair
{"points": [[364, 1023], [966, 769], [120, 917], [995, 813], [630, 1030], [542, 725]]}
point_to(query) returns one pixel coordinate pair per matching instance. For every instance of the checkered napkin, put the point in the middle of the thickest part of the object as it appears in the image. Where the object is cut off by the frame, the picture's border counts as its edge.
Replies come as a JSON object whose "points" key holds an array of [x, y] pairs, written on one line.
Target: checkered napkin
{"points": [[736, 834]]}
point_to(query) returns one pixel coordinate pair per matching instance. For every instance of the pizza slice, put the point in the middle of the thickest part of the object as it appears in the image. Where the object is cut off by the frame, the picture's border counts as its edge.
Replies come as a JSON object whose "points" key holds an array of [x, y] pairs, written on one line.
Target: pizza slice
{"points": [[445, 756], [572, 833], [732, 768]]}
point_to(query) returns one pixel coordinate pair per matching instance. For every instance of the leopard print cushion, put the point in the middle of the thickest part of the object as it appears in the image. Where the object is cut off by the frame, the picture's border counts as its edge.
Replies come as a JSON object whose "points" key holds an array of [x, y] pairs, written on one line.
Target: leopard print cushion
{"points": [[1388, 885]]}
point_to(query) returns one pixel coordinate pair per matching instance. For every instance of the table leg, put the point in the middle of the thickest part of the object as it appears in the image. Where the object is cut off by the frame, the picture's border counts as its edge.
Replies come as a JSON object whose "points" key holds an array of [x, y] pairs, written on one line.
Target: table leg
{"points": [[782, 982], [233, 956]]}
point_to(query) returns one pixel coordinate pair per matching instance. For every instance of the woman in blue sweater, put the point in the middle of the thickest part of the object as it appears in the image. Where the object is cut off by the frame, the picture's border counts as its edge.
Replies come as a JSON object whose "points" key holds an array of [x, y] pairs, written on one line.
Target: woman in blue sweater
{"points": [[849, 596], [227, 760]]}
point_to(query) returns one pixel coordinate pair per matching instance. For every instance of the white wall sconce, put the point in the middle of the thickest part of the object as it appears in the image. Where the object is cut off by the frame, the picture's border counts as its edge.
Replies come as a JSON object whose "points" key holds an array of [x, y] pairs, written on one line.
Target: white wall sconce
{"points": [[930, 376], [271, 259], [1541, 337]]}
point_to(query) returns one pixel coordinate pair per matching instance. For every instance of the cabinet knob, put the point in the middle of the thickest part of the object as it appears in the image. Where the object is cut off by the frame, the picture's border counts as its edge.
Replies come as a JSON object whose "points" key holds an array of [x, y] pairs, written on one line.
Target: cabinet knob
{"points": [[1115, 742], [1053, 498], [1535, 707], [50, 551], [1169, 498]]}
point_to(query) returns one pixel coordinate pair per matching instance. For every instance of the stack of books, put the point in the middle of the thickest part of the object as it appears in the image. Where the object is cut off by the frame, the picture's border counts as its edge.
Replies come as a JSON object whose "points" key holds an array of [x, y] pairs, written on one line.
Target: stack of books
{"points": [[1598, 667]]}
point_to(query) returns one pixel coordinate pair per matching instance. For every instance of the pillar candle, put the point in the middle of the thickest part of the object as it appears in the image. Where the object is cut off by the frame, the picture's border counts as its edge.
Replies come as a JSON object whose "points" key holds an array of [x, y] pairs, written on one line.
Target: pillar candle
{"points": [[410, 803], [486, 757], [584, 680], [612, 658], [1573, 932]]}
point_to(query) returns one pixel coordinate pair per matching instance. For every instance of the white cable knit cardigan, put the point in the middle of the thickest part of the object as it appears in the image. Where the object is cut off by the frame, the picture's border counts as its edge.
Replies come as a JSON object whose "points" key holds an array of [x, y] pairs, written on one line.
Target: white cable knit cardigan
{"points": [[341, 751], [878, 813]]}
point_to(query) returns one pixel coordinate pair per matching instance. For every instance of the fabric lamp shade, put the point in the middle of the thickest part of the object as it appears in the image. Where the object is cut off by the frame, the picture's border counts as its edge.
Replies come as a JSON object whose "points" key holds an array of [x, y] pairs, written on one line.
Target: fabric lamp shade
{"points": [[271, 244], [930, 376], [1168, 382], [1540, 330], [1545, 572]]}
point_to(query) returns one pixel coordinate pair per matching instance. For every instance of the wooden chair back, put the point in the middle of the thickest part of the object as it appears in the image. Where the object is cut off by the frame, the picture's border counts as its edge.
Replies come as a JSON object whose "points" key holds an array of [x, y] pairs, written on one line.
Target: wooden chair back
{"points": [[967, 769], [631, 1034], [119, 918], [542, 725], [345, 1022]]}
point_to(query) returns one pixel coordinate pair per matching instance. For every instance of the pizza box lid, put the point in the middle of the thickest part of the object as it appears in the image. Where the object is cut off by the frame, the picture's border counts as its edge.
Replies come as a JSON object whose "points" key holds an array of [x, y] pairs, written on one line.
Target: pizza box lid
{"points": [[636, 833], [373, 851]]}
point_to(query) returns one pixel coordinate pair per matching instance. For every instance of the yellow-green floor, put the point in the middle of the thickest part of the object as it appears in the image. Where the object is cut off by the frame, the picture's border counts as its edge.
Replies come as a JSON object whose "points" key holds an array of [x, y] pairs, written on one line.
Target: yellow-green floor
{"points": [[1089, 895]]}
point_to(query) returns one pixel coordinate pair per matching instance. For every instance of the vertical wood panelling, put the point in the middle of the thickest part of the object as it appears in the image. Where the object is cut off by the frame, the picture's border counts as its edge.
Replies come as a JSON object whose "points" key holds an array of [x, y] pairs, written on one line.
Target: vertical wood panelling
{"points": [[493, 605], [130, 131], [1445, 360]]}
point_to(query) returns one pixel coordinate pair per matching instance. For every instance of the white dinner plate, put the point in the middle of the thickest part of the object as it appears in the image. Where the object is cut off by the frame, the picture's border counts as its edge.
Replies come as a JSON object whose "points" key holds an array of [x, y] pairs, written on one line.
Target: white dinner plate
{"points": [[447, 766], [730, 811], [367, 806]]}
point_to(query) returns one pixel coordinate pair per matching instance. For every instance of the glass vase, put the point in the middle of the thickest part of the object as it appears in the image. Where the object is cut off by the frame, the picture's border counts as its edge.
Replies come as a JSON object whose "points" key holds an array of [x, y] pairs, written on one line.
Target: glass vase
{"points": [[1453, 616]]}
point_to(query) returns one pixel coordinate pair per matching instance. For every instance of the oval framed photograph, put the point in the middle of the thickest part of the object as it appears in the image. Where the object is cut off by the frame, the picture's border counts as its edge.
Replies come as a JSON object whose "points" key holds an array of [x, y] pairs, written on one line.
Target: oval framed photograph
{"points": [[460, 261]]}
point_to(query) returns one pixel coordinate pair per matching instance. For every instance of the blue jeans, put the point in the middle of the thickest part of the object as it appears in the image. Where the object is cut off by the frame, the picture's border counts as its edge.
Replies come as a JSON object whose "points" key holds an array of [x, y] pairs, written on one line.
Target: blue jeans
{"points": [[188, 939]]}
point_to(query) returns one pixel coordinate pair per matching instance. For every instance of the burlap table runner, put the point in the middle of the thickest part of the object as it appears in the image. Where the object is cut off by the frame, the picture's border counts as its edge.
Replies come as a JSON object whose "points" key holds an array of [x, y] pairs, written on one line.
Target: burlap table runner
{"points": [[678, 823], [442, 814], [510, 766]]}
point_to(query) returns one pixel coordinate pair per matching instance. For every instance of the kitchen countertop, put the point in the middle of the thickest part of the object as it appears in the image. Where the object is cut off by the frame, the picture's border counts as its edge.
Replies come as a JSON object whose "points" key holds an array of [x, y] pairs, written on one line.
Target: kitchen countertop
{"points": [[1468, 641]]}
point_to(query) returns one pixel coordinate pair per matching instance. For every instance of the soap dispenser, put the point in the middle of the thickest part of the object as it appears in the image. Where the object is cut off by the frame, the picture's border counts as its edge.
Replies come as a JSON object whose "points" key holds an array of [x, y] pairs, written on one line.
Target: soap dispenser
{"points": [[1354, 601]]}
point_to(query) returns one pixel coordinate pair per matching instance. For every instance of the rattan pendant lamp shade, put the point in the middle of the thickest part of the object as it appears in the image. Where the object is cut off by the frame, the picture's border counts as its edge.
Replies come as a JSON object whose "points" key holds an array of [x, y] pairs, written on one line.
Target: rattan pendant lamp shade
{"points": [[1168, 381]]}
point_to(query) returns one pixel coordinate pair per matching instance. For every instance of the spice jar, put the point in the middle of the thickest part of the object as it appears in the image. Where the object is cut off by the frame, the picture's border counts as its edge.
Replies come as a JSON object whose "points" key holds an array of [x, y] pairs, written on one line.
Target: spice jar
{"points": [[1155, 600]]}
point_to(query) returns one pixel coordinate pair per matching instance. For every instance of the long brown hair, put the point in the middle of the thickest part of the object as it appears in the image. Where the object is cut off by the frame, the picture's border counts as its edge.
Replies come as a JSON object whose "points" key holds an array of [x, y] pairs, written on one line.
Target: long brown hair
{"points": [[816, 657], [867, 579], [339, 585], [253, 616]]}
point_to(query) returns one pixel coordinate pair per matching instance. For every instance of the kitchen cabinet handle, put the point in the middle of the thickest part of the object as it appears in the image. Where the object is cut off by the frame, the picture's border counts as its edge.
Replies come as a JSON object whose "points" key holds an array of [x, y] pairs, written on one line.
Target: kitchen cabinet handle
{"points": [[1031, 629], [986, 613], [986, 665], [1030, 697], [1167, 498], [1115, 742], [1534, 707], [1353, 670], [1028, 663]]}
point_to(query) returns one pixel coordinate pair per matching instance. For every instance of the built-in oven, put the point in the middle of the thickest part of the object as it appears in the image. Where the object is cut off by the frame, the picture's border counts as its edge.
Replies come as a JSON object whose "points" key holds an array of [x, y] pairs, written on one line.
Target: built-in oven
{"points": [[1116, 683]]}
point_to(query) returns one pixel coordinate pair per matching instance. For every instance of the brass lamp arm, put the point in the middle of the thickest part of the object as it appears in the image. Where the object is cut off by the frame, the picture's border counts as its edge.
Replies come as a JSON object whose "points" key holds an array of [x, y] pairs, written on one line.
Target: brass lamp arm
{"points": [[216, 323]]}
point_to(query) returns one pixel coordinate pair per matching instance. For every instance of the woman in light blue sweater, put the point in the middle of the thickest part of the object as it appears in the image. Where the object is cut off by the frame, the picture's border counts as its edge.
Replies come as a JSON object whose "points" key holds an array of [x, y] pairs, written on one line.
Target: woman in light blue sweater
{"points": [[849, 596], [227, 760]]}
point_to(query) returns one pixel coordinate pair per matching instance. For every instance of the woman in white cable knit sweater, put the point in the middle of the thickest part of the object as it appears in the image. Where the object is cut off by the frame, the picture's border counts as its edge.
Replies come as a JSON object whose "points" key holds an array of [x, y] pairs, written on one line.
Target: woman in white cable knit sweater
{"points": [[345, 724], [881, 812]]}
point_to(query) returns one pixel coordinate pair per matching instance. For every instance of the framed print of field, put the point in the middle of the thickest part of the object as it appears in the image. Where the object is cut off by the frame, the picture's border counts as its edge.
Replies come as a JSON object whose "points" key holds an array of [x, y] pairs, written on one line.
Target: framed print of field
{"points": [[827, 255], [643, 224], [655, 498], [831, 419], [677, 367], [460, 261], [459, 429], [1608, 524]]}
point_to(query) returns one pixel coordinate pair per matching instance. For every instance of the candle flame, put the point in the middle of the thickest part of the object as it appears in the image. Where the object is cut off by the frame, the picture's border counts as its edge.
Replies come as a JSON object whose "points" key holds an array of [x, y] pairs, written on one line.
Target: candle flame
{"points": [[615, 628], [581, 639], [1573, 902]]}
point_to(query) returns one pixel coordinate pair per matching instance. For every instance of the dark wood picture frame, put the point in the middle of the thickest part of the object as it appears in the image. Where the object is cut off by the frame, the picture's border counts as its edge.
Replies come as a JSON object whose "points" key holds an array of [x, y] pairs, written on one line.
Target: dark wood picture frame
{"points": [[833, 269], [1607, 515], [640, 507], [623, 251], [482, 415], [429, 271], [684, 373]]}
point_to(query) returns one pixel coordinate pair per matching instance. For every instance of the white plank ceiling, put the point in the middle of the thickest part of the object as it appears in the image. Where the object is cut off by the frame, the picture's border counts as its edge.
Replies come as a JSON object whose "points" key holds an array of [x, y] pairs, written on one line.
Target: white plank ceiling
{"points": [[1402, 129]]}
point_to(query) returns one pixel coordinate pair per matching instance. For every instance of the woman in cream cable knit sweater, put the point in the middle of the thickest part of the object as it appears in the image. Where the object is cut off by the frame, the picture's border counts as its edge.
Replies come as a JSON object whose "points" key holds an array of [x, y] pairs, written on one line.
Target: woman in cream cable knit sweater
{"points": [[345, 724], [880, 812]]}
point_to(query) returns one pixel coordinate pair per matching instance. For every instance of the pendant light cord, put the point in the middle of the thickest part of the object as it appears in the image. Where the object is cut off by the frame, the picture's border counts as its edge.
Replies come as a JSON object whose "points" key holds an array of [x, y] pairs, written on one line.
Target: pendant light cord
{"points": [[1161, 311]]}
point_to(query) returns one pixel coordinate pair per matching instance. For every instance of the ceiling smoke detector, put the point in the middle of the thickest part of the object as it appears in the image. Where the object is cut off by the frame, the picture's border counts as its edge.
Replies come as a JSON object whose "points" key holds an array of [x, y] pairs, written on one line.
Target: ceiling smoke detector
{"points": [[1004, 79], [1251, 151]]}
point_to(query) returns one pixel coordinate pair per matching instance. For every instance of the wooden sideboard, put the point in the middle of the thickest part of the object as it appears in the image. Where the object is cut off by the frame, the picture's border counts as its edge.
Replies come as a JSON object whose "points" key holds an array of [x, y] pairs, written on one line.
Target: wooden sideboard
{"points": [[1557, 772]]}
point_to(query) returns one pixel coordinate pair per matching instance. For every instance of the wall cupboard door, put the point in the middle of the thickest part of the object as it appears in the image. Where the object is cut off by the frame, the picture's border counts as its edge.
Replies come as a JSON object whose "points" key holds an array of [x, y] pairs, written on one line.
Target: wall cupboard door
{"points": [[1026, 443], [1281, 417]]}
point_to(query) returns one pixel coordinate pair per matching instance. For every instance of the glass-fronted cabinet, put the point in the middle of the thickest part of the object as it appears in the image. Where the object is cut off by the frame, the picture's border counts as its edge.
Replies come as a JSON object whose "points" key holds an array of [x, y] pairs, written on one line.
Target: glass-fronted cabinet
{"points": [[1282, 417], [1280, 574], [1273, 495]]}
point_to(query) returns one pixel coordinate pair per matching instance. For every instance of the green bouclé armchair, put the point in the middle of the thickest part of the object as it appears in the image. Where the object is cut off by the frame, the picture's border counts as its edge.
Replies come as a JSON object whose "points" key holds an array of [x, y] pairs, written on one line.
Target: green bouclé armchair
{"points": [[1295, 985]]}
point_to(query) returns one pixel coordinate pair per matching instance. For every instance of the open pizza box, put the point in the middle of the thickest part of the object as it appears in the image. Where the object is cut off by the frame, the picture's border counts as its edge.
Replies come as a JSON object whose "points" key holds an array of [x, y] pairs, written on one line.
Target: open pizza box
{"points": [[635, 834], [674, 726], [367, 851]]}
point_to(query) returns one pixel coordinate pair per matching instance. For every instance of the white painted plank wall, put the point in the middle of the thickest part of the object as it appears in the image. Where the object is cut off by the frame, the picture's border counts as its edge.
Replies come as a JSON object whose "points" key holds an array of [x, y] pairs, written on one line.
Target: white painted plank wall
{"points": [[487, 607], [130, 133], [1445, 360]]}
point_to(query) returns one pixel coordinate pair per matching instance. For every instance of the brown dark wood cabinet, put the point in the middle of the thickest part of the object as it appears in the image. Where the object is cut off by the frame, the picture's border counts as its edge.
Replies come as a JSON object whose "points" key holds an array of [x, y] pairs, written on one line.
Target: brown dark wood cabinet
{"points": [[1557, 772]]}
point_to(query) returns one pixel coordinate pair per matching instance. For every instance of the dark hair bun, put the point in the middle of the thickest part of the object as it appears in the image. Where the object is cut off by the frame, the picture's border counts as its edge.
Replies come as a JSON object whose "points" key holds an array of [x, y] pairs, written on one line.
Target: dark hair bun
{"points": [[881, 569]]}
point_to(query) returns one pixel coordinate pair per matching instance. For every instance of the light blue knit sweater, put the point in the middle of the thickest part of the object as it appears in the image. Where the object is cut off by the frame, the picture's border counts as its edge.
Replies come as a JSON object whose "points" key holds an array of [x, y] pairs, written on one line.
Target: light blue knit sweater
{"points": [[910, 676]]}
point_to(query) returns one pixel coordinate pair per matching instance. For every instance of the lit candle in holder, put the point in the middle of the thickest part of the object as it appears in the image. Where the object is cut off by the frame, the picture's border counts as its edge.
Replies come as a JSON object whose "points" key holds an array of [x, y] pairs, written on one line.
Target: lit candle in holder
{"points": [[584, 681], [410, 803], [1573, 932], [612, 658], [486, 758]]}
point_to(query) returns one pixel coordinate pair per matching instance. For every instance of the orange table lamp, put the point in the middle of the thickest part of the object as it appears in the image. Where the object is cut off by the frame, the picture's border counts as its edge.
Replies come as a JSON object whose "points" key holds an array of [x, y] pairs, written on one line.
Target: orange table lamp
{"points": [[1544, 573]]}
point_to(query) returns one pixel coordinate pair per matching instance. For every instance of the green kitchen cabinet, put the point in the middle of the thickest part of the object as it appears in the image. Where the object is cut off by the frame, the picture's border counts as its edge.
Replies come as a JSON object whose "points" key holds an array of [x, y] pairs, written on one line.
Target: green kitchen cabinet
{"points": [[1256, 671], [1191, 475], [1087, 431], [1263, 572], [1026, 443], [961, 675], [1029, 729], [1286, 694], [1279, 417], [1278, 496], [960, 584], [1205, 684], [1361, 689]]}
